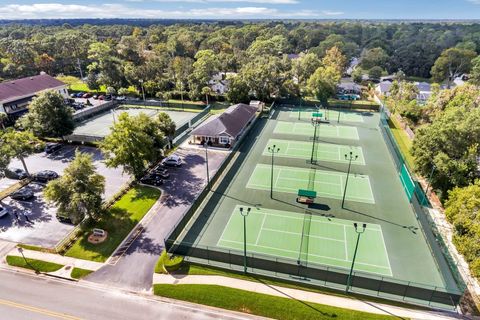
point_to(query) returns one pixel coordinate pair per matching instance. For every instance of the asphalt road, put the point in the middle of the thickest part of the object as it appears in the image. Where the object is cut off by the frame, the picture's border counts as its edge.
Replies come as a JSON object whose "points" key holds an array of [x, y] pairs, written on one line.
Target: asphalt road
{"points": [[25, 296], [135, 268]]}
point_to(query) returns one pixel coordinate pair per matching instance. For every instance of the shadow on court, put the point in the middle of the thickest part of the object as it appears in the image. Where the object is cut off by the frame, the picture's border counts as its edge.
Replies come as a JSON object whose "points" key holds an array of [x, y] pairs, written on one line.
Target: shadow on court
{"points": [[412, 229]]}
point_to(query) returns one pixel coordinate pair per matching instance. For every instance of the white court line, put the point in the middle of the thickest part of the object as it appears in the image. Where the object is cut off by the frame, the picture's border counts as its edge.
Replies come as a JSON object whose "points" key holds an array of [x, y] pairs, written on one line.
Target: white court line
{"points": [[299, 234], [345, 237], [386, 252], [226, 226], [261, 228], [315, 255]]}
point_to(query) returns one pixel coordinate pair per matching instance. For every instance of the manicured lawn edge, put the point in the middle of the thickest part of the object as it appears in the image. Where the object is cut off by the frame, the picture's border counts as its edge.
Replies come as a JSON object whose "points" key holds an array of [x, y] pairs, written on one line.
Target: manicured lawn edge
{"points": [[33, 264], [189, 268], [35, 248], [78, 273], [166, 264], [119, 220], [257, 303], [403, 140]]}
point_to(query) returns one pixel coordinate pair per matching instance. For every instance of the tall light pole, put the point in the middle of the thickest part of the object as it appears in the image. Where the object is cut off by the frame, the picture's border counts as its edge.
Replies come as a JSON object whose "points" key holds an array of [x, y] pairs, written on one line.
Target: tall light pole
{"points": [[359, 232], [350, 157], [244, 214], [315, 124], [143, 91], [26, 261], [273, 149], [206, 164]]}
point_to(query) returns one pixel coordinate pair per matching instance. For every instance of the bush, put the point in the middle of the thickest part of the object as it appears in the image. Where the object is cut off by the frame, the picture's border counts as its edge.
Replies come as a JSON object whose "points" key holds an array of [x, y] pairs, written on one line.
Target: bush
{"points": [[166, 264]]}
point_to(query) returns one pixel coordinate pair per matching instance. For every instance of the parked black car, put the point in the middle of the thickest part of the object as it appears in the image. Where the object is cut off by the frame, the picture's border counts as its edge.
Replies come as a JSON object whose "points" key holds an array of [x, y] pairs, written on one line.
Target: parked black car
{"points": [[45, 176], [15, 173], [23, 194], [63, 218], [52, 147], [152, 180], [161, 173]]}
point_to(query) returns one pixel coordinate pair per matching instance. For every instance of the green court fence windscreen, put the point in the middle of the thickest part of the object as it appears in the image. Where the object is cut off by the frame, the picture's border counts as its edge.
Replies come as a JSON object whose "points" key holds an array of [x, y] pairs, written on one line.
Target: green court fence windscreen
{"points": [[407, 182]]}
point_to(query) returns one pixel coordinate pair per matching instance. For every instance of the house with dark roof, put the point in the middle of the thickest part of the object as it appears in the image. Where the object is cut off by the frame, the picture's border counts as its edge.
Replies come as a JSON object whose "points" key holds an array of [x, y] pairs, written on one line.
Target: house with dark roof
{"points": [[16, 95], [225, 129]]}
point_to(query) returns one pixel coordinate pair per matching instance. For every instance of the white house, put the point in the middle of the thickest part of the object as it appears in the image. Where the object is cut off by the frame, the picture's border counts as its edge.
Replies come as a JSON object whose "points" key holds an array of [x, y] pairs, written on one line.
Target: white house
{"points": [[220, 82], [16, 95]]}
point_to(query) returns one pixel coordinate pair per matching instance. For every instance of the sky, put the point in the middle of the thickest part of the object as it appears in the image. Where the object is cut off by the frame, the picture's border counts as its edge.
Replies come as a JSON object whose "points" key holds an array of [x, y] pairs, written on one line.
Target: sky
{"points": [[241, 9]]}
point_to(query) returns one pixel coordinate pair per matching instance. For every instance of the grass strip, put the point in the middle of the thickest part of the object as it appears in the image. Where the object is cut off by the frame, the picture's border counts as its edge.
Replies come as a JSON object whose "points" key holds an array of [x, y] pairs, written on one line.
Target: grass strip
{"points": [[257, 303], [166, 264], [78, 273], [403, 141], [33, 264], [118, 221], [35, 248]]}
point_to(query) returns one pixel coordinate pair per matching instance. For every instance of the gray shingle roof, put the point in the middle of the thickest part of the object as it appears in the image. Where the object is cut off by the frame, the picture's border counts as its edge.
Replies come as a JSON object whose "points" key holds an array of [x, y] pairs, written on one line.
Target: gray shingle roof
{"points": [[27, 86], [230, 122]]}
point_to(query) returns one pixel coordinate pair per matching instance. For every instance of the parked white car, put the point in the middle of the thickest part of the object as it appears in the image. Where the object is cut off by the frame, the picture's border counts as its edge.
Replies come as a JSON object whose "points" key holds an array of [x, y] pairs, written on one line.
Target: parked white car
{"points": [[172, 161]]}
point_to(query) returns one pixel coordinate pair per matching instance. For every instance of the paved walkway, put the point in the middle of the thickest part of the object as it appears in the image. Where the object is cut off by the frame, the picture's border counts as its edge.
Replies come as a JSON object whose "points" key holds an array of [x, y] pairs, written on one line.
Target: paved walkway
{"points": [[330, 300], [56, 258]]}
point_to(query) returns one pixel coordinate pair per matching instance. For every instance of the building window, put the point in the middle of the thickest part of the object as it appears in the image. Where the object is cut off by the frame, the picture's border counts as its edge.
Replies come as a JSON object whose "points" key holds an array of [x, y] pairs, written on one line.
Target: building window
{"points": [[224, 140]]}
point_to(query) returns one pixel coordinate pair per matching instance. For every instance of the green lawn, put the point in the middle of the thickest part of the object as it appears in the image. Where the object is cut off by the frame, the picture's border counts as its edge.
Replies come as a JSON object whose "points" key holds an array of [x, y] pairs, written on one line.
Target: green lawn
{"points": [[120, 219], [256, 303], [33, 264], [78, 273], [403, 141]]}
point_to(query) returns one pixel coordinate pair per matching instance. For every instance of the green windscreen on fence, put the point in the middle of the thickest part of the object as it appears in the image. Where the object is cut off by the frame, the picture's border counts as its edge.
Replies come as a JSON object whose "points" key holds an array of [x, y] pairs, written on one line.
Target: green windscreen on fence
{"points": [[407, 182]]}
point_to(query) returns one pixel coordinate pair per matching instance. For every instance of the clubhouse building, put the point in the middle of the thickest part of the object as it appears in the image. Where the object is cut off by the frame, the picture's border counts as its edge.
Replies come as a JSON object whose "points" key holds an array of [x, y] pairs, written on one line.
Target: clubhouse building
{"points": [[16, 95]]}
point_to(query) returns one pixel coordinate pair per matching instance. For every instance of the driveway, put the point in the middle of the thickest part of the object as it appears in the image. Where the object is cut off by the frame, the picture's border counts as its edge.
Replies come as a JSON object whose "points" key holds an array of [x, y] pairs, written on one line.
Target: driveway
{"points": [[135, 268]]}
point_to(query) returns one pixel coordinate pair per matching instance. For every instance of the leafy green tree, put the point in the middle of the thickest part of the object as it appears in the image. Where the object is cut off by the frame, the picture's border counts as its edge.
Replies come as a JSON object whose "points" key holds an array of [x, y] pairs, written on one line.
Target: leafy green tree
{"points": [[238, 91], [17, 144], [374, 57], [48, 116], [450, 144], [92, 82], [205, 66], [78, 192], [452, 63], [123, 91], [335, 59], [475, 72], [323, 83], [166, 125], [375, 73], [133, 143], [305, 66], [463, 210], [3, 119]]}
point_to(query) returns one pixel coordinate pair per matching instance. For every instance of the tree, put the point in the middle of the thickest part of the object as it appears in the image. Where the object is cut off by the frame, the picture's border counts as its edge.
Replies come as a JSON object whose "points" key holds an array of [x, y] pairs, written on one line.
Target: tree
{"points": [[204, 67], [3, 119], [123, 91], [92, 82], [475, 72], [17, 144], [323, 83], [48, 116], [78, 192], [133, 143], [375, 73], [305, 66], [452, 63], [206, 91], [463, 210], [375, 57], [238, 91], [450, 144], [335, 59], [166, 125]]}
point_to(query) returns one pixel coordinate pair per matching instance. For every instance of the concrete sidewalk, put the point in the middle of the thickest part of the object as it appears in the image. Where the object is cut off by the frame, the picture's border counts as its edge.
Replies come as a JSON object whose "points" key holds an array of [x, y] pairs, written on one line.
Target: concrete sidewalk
{"points": [[330, 300], [56, 258]]}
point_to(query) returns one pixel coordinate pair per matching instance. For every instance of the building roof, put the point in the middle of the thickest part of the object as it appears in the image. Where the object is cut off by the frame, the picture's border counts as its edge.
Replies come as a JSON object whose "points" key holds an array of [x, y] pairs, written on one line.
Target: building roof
{"points": [[423, 86], [230, 122], [384, 86], [349, 86], [29, 86]]}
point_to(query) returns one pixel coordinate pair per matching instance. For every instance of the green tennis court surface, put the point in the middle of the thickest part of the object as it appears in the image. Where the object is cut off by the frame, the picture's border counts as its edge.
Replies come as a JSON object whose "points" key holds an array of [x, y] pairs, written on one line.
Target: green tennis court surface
{"points": [[331, 115], [329, 241], [327, 184], [325, 151], [324, 130]]}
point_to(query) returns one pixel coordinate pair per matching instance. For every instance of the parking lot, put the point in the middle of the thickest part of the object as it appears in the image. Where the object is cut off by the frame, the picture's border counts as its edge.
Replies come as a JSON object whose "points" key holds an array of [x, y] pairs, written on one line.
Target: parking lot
{"points": [[41, 226]]}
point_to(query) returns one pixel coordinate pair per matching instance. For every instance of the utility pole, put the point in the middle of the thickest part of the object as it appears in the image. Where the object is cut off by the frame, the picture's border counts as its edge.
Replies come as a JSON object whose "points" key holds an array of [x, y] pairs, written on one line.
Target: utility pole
{"points": [[244, 214], [315, 124], [80, 68], [272, 150], [348, 157], [359, 232], [206, 164]]}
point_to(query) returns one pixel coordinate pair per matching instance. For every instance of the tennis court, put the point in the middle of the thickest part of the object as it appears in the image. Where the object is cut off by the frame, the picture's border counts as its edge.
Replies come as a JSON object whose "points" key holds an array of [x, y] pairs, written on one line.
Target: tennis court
{"points": [[99, 125], [331, 115], [308, 238], [324, 130], [327, 184], [324, 151]]}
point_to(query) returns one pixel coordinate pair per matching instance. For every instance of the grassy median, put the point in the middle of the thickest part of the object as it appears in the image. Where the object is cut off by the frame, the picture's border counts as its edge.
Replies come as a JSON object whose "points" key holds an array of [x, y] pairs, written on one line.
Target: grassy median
{"points": [[33, 264], [120, 219], [78, 273], [256, 303]]}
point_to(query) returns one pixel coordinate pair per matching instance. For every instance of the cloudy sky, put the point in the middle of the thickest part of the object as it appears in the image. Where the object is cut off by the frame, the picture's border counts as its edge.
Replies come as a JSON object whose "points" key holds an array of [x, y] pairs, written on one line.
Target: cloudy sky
{"points": [[248, 9]]}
